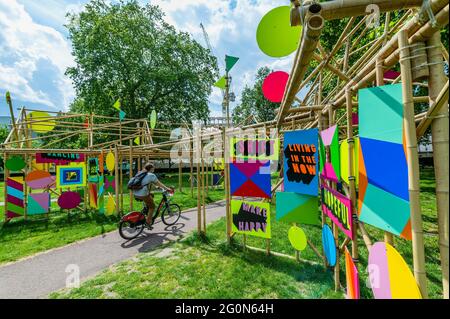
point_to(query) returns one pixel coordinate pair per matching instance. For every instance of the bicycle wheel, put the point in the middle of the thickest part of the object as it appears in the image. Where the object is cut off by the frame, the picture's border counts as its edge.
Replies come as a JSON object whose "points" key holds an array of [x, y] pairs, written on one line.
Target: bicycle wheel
{"points": [[171, 214], [129, 230]]}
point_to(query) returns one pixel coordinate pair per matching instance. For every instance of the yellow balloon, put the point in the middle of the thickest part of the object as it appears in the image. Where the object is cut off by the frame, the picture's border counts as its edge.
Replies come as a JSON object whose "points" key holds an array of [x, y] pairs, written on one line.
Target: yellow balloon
{"points": [[110, 161], [45, 124], [297, 237]]}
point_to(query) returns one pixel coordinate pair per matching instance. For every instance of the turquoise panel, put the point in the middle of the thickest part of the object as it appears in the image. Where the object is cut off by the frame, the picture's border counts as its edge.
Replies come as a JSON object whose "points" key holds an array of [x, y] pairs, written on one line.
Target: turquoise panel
{"points": [[381, 113], [384, 210], [14, 192]]}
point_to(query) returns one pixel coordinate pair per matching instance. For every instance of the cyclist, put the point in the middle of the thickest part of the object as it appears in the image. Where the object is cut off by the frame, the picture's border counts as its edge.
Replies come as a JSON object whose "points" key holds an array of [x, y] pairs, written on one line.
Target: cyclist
{"points": [[144, 193]]}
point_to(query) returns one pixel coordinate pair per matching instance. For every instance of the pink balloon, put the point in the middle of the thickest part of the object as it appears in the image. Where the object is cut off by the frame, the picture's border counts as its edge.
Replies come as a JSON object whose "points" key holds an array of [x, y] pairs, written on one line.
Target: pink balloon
{"points": [[274, 86]]}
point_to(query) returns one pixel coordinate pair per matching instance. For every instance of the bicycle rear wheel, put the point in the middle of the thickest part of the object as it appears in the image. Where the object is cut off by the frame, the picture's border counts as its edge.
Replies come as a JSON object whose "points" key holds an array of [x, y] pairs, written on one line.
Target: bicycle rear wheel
{"points": [[171, 214], [129, 230]]}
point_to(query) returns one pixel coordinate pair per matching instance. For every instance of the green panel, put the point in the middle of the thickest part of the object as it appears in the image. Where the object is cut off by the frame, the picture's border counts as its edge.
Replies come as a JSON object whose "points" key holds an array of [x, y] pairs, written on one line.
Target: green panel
{"points": [[15, 209], [297, 208], [230, 62], [335, 157]]}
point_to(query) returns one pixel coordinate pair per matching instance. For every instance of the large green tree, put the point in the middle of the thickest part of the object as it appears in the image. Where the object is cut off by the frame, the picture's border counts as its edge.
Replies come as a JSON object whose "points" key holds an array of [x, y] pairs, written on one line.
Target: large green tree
{"points": [[253, 101], [127, 51]]}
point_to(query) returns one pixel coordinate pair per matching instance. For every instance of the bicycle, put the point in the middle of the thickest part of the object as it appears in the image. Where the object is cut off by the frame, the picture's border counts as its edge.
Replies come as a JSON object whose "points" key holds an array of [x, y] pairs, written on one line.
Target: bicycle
{"points": [[132, 224]]}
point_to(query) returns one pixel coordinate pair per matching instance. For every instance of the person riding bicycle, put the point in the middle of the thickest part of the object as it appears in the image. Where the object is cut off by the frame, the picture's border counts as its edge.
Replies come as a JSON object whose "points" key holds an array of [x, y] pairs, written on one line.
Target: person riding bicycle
{"points": [[148, 178]]}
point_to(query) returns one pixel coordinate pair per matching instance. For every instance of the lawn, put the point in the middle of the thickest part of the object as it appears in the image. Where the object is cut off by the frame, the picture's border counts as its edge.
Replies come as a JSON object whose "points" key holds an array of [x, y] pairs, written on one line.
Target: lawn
{"points": [[21, 238], [209, 268]]}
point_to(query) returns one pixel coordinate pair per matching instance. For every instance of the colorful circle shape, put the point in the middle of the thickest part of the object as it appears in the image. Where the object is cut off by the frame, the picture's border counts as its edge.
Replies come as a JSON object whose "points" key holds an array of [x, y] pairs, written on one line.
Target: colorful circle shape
{"points": [[329, 245], [69, 200], [15, 163], [297, 237], [275, 36], [110, 161], [274, 86], [45, 124], [39, 179], [153, 118], [389, 274]]}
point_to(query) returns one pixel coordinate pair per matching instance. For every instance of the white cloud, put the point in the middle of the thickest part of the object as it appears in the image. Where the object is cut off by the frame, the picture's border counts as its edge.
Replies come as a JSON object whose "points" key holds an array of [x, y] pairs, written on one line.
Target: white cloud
{"points": [[25, 43]]}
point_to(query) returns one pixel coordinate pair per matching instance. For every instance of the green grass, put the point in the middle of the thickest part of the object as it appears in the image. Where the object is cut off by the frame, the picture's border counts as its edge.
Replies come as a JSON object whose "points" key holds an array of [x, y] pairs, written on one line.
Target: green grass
{"points": [[209, 268], [21, 238]]}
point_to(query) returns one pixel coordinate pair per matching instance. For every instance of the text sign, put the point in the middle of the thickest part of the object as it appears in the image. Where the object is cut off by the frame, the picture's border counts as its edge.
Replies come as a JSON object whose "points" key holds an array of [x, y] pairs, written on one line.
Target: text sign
{"points": [[59, 158], [338, 208], [253, 148], [251, 218]]}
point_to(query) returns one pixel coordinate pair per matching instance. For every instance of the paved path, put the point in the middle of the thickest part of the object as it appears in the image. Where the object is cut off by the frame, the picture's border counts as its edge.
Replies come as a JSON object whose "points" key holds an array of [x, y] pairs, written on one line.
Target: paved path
{"points": [[44, 273]]}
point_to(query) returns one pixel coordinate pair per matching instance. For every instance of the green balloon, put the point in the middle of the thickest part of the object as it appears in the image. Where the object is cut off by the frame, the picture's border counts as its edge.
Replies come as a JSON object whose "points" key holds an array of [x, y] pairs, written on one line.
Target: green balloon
{"points": [[153, 120], [15, 163], [297, 237], [275, 36]]}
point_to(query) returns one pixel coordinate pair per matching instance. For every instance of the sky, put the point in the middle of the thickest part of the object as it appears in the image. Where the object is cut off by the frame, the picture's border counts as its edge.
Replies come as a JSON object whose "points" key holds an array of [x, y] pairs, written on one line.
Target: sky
{"points": [[35, 51]]}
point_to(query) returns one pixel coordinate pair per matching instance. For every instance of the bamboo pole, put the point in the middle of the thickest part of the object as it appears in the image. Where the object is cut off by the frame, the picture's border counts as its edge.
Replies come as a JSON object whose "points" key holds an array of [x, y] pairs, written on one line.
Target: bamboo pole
{"points": [[180, 176], [413, 165], [203, 195], [131, 172], [440, 137], [227, 185], [351, 177], [5, 177], [191, 170], [197, 160], [116, 179]]}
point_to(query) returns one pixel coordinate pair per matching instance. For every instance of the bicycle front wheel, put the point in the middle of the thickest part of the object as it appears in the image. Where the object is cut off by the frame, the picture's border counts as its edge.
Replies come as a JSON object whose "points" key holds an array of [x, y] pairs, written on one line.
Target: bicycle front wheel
{"points": [[171, 214]]}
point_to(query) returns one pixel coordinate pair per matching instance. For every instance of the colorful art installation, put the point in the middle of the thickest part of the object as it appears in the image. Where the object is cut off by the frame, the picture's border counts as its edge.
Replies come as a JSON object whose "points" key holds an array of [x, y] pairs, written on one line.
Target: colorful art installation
{"points": [[110, 161], [109, 184], [274, 86], [338, 208], [40, 180], [59, 158], [343, 151], [255, 149], [297, 208], [69, 200], [14, 197], [38, 203], [44, 121], [352, 276], [251, 218], [101, 163], [15, 163], [383, 171], [110, 205], [71, 176], [137, 141], [301, 161], [37, 167], [219, 164], [153, 118], [390, 276], [93, 195], [117, 105], [101, 197], [122, 115], [275, 36], [330, 170], [297, 238], [93, 169], [329, 245], [250, 179], [230, 62]]}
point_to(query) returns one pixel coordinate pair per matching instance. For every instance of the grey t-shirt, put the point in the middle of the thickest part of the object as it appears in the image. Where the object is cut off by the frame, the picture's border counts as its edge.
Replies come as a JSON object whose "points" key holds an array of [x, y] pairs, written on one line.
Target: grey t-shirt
{"points": [[148, 180]]}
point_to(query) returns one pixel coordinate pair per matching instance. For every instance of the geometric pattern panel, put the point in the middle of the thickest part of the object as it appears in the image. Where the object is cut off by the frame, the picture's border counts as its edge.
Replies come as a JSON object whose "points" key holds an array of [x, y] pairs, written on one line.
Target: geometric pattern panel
{"points": [[297, 208], [352, 276], [250, 179], [301, 161], [330, 170], [383, 199], [14, 197], [71, 176], [38, 203], [93, 195], [110, 184]]}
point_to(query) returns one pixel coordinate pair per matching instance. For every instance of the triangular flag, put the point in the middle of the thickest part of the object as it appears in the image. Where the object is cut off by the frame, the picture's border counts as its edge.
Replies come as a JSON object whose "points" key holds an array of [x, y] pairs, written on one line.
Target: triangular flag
{"points": [[221, 84], [122, 115], [230, 62], [137, 141], [117, 105]]}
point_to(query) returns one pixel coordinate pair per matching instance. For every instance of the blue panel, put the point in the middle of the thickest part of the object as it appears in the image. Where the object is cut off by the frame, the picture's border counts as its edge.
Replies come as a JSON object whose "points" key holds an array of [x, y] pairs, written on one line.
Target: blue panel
{"points": [[14, 192], [237, 178], [262, 179], [329, 245], [301, 183], [386, 166]]}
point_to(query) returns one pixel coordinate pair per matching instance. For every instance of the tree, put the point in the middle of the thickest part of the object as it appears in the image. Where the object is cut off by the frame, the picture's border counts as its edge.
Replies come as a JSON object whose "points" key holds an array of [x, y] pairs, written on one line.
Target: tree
{"points": [[127, 51], [253, 101]]}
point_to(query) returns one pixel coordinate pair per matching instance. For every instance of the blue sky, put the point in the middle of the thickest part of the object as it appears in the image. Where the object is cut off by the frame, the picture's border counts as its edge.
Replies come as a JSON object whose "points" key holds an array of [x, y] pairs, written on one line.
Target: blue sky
{"points": [[35, 52]]}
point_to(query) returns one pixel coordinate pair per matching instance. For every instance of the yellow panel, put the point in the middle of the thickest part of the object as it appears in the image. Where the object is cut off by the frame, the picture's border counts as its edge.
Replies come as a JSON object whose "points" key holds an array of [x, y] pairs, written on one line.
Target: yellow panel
{"points": [[110, 206], [37, 167], [45, 125], [344, 160], [403, 284], [110, 161]]}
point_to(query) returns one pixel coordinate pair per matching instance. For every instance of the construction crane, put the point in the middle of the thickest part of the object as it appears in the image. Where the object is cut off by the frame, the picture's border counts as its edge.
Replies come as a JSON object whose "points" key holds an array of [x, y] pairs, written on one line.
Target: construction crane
{"points": [[205, 35]]}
